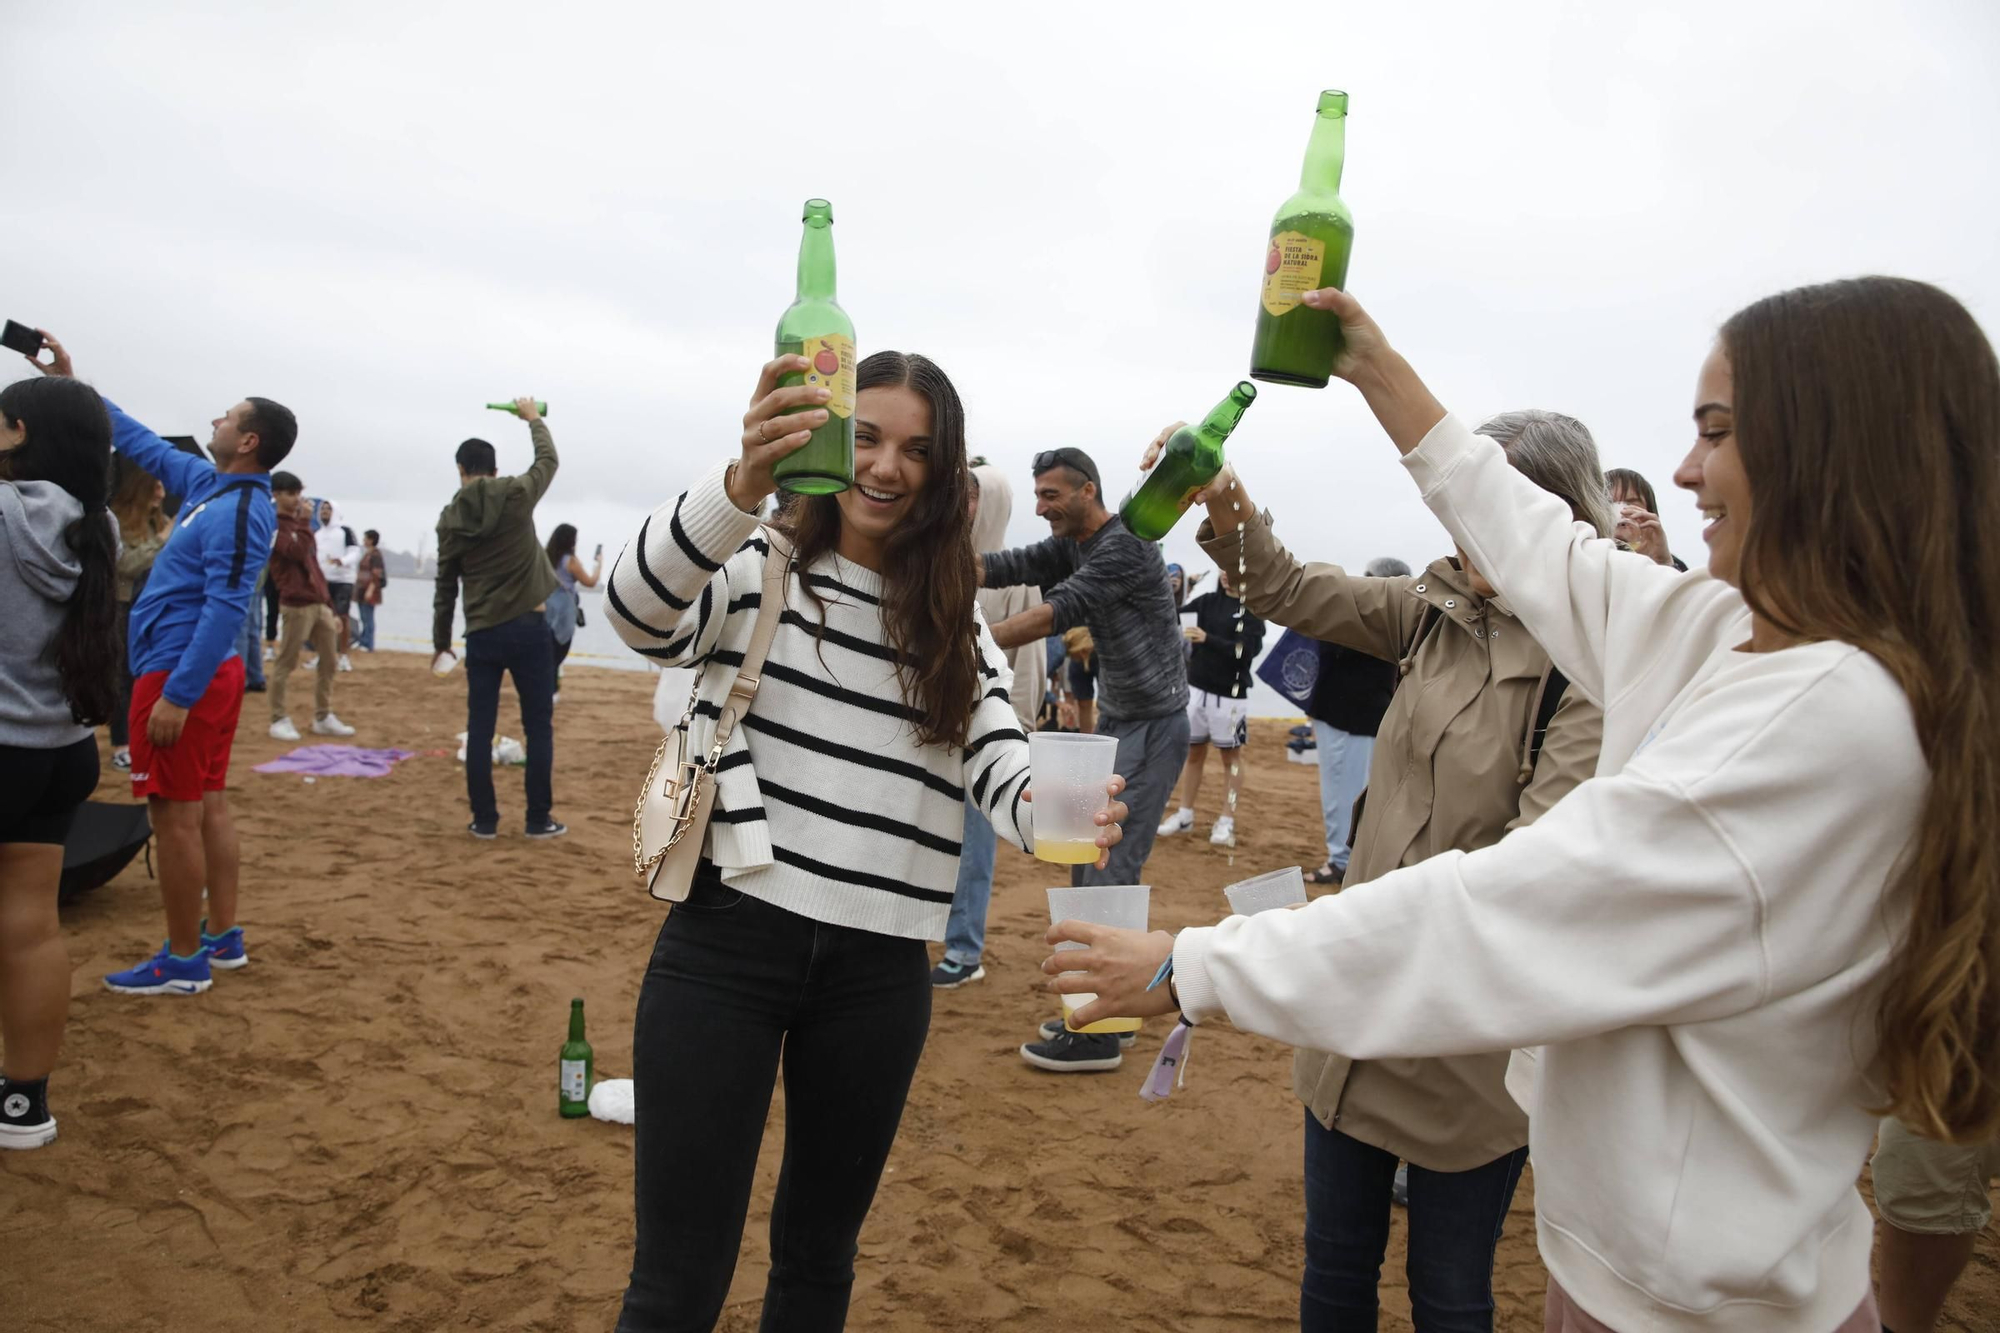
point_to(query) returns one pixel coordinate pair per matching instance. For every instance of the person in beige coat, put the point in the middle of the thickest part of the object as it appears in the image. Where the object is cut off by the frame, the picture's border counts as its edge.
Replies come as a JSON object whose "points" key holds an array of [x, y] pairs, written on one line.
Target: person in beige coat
{"points": [[965, 936], [1482, 735]]}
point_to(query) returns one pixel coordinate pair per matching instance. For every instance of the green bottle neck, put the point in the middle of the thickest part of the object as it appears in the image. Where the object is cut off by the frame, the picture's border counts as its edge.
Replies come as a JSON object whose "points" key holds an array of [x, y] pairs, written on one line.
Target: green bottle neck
{"points": [[1326, 154], [816, 269], [576, 1021], [1216, 427]]}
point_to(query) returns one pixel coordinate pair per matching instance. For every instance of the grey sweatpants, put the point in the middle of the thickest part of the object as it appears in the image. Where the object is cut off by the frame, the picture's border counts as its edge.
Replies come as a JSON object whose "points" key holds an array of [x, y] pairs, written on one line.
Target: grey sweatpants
{"points": [[1151, 755]]}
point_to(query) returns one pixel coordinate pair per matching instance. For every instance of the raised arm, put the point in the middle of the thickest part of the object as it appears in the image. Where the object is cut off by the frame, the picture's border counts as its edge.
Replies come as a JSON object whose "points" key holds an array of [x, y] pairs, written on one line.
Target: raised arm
{"points": [[180, 473], [1375, 616], [542, 471]]}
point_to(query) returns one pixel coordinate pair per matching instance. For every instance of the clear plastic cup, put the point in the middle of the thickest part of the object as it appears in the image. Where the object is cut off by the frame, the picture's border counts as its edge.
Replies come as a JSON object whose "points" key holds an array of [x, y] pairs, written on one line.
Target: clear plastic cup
{"points": [[1121, 905], [1071, 779], [1280, 888]]}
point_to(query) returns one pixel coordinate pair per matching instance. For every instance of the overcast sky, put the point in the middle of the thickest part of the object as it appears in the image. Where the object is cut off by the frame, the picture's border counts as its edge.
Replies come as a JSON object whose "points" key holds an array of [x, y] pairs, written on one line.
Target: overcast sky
{"points": [[385, 215]]}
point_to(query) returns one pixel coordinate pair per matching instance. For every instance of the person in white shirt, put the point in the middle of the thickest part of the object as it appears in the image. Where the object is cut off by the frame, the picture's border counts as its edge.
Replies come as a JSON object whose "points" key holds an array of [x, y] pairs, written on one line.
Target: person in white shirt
{"points": [[1775, 911], [340, 562]]}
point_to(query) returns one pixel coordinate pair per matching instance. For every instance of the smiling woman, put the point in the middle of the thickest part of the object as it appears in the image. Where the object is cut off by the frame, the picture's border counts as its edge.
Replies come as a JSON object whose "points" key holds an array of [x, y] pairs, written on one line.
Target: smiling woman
{"points": [[832, 849]]}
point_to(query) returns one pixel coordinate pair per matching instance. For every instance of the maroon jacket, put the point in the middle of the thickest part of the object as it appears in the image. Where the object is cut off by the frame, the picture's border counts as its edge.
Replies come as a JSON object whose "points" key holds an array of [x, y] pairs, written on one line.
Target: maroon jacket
{"points": [[295, 564]]}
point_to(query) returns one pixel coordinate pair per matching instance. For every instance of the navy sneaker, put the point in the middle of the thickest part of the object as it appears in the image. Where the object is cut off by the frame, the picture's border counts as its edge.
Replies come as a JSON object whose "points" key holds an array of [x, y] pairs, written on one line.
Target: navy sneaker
{"points": [[484, 832], [547, 829], [1076, 1053], [25, 1121], [950, 976], [1054, 1028], [164, 974], [226, 950]]}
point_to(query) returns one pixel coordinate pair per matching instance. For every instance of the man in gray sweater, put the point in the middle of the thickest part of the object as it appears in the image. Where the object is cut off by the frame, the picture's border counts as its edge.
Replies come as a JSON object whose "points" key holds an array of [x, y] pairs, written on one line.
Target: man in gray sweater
{"points": [[1093, 572]]}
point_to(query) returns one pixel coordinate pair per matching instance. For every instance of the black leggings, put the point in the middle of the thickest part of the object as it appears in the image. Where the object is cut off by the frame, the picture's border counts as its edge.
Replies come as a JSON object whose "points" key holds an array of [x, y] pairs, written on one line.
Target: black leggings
{"points": [[121, 717], [40, 790], [562, 651], [735, 988]]}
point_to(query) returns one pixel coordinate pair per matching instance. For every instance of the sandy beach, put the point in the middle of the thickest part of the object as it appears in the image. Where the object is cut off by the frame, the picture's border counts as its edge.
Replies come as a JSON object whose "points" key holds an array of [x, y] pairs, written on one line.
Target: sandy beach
{"points": [[360, 1128]]}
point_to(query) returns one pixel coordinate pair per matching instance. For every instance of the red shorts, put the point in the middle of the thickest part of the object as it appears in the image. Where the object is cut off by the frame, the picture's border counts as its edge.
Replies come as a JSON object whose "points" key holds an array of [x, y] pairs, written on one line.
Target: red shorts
{"points": [[198, 762]]}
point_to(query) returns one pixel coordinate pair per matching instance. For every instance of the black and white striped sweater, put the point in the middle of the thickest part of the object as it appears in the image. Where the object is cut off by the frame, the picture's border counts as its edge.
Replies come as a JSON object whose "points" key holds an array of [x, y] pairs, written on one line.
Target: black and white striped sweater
{"points": [[826, 803]]}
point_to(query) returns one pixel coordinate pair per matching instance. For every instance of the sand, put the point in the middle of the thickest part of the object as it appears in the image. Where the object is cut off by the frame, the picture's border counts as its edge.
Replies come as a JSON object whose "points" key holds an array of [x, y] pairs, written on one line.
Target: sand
{"points": [[360, 1128]]}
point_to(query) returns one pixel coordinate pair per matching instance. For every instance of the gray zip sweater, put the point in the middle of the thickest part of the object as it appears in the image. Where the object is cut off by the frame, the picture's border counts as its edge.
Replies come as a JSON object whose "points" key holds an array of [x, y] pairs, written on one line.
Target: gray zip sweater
{"points": [[38, 572]]}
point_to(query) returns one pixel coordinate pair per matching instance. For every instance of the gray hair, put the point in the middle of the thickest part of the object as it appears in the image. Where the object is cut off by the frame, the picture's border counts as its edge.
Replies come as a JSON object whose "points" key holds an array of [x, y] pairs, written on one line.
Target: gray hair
{"points": [[1386, 567], [1558, 454]]}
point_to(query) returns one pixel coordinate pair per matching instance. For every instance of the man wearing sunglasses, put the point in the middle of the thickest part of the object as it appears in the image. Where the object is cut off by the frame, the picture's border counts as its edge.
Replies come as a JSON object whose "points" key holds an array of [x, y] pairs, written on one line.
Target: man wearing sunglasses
{"points": [[1095, 573]]}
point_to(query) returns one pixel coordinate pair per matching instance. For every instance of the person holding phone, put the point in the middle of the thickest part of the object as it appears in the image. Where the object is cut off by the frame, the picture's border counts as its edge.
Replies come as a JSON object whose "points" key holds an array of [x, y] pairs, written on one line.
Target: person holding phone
{"points": [[565, 604], [1772, 915]]}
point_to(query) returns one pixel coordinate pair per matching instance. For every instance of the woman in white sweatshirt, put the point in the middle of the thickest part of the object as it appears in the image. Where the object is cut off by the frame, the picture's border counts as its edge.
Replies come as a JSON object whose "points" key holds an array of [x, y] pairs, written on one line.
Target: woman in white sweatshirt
{"points": [[1776, 909], [833, 845]]}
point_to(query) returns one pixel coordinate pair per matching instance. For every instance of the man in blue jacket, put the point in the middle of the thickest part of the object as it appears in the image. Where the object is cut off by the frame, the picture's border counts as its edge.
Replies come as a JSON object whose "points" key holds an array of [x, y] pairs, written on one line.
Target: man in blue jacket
{"points": [[187, 678]]}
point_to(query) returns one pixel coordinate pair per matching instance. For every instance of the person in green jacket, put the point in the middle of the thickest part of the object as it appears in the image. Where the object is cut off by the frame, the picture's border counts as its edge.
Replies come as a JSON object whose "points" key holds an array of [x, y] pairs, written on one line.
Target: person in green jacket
{"points": [[486, 540]]}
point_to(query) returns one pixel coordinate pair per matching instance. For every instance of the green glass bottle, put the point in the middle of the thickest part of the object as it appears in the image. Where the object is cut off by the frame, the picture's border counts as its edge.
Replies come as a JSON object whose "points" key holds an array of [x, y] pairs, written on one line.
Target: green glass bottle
{"points": [[577, 1068], [817, 329], [1189, 462], [541, 407], [1310, 241]]}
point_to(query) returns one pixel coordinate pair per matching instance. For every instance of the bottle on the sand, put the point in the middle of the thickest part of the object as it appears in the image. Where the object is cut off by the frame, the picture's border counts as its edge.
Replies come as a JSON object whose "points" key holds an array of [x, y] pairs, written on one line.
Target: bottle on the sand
{"points": [[577, 1068], [816, 328], [1189, 462], [1310, 241], [541, 407]]}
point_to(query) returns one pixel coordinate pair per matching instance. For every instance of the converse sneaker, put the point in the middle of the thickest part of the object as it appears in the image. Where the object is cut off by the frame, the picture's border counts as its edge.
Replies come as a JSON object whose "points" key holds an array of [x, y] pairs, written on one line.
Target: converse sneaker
{"points": [[283, 730], [331, 726], [1225, 832], [1076, 1053], [1054, 1028], [25, 1121], [484, 832], [950, 976], [547, 829], [1180, 822]]}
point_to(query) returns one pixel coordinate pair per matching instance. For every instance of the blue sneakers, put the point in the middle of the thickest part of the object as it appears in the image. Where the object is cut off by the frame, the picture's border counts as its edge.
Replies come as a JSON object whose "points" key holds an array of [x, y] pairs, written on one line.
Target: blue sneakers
{"points": [[225, 950], [163, 974]]}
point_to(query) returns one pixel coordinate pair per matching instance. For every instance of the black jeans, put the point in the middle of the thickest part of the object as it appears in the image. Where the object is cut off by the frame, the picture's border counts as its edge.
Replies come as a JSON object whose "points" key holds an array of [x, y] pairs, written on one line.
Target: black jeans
{"points": [[522, 647], [1455, 1221], [735, 985], [121, 721]]}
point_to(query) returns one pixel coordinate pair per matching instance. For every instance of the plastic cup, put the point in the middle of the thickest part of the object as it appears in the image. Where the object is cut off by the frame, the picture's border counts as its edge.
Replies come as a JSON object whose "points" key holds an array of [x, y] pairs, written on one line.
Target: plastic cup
{"points": [[1071, 779], [1121, 905], [1280, 888]]}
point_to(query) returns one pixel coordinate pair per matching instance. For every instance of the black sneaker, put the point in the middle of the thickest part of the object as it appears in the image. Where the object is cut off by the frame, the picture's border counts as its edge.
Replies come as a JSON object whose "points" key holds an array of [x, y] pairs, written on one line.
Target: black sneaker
{"points": [[1076, 1053], [25, 1121], [1054, 1028], [950, 976], [484, 832], [548, 829]]}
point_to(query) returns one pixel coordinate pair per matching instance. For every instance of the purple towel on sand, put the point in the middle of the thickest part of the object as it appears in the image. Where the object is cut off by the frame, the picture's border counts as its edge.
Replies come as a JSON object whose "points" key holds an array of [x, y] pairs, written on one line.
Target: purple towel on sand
{"points": [[337, 761]]}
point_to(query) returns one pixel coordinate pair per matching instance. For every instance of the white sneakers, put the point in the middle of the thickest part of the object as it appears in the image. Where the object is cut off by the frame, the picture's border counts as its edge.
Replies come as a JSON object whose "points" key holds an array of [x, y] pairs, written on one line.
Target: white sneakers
{"points": [[283, 730], [328, 726], [1177, 823], [345, 665], [1225, 832]]}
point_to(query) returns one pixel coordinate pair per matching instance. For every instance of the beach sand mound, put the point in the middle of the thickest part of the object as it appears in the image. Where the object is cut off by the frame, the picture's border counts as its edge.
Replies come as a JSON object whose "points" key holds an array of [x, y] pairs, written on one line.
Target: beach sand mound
{"points": [[360, 1129]]}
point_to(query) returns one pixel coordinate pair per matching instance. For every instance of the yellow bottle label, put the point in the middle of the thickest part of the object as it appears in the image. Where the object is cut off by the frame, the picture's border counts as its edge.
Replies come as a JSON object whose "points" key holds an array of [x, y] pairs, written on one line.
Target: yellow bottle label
{"points": [[1291, 269], [832, 359]]}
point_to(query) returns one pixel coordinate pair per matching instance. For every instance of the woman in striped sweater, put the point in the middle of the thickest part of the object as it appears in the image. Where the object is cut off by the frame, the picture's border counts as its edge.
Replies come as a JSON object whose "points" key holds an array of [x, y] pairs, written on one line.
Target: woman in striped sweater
{"points": [[833, 847]]}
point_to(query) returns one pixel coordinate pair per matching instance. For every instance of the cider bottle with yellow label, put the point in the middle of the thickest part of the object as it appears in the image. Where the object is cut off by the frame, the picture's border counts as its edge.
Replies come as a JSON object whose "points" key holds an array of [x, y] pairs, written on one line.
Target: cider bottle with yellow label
{"points": [[1310, 241], [817, 329]]}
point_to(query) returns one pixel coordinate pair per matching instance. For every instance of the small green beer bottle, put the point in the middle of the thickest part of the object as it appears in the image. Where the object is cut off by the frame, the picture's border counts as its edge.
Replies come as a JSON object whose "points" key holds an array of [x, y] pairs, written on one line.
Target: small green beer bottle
{"points": [[541, 407], [817, 329], [1189, 462], [577, 1067], [1310, 241]]}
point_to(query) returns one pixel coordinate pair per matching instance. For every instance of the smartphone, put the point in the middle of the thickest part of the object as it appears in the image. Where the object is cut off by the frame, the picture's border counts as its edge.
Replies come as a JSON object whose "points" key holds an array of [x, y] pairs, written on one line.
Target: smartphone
{"points": [[21, 338], [600, 550]]}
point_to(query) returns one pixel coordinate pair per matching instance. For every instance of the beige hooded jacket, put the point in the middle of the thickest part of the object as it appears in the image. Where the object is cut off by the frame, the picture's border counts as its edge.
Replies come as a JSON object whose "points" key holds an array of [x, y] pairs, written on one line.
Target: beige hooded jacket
{"points": [[989, 533]]}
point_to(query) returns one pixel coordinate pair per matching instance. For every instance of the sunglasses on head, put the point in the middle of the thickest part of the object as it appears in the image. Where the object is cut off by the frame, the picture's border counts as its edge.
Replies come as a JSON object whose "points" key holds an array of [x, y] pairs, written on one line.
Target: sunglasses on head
{"points": [[1073, 459]]}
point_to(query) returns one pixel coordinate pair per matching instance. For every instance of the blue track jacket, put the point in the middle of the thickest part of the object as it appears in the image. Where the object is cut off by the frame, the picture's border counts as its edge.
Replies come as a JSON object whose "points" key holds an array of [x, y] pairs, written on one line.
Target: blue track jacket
{"points": [[186, 619]]}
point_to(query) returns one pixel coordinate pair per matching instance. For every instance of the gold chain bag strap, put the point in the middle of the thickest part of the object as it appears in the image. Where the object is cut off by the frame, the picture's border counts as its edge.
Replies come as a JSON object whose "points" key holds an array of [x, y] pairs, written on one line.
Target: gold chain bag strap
{"points": [[671, 817]]}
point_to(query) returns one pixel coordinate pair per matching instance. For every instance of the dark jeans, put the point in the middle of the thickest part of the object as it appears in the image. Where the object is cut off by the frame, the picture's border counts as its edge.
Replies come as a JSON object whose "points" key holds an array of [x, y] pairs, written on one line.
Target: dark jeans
{"points": [[1151, 755], [1455, 1221], [521, 648], [736, 985], [121, 721]]}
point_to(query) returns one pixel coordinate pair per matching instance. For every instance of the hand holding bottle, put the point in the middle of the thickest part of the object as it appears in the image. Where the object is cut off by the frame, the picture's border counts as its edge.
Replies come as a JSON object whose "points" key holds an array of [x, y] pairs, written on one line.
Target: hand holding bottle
{"points": [[527, 409], [769, 436], [1400, 400]]}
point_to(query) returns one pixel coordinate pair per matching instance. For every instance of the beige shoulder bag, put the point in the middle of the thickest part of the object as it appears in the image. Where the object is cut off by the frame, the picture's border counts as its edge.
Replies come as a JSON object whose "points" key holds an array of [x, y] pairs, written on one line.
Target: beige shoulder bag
{"points": [[671, 817]]}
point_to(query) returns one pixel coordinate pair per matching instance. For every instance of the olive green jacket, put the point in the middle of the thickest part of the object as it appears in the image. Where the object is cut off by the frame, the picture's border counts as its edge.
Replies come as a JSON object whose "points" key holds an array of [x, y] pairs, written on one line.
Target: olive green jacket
{"points": [[486, 538], [1451, 770]]}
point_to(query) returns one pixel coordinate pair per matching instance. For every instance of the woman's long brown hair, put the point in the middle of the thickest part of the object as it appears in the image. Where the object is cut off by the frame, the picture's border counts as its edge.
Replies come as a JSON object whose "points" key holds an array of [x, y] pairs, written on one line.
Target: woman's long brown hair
{"points": [[1867, 414], [930, 578], [139, 514]]}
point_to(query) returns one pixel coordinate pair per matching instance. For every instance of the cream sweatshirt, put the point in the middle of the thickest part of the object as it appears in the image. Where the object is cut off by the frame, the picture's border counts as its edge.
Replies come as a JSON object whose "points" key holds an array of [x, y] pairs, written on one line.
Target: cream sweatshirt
{"points": [[1695, 935]]}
